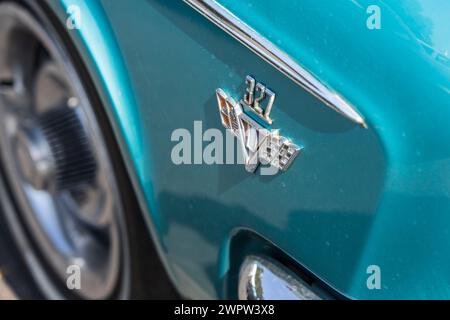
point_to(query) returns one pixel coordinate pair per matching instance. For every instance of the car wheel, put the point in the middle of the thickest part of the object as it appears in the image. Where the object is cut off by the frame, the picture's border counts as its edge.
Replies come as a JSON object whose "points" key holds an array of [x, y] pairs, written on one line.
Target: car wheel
{"points": [[64, 189]]}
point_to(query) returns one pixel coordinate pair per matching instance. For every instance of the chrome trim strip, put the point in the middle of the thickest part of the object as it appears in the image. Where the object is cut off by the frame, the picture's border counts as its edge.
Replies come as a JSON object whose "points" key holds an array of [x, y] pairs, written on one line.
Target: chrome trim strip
{"points": [[225, 20]]}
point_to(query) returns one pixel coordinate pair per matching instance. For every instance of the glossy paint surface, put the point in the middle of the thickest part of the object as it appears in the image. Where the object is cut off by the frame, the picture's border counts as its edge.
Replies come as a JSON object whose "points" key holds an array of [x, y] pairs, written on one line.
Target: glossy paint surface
{"points": [[354, 198]]}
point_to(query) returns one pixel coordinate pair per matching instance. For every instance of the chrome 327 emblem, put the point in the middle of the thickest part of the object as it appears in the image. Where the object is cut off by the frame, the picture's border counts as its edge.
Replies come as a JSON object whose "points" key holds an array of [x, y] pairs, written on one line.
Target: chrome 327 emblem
{"points": [[259, 143]]}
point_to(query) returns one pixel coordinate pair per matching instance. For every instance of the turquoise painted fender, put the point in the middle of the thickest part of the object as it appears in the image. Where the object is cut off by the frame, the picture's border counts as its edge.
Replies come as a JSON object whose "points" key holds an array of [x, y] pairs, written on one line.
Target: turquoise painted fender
{"points": [[354, 198]]}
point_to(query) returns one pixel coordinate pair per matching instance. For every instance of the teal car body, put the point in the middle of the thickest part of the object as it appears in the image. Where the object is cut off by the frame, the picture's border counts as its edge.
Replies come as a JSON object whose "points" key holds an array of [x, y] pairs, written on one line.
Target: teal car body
{"points": [[355, 197]]}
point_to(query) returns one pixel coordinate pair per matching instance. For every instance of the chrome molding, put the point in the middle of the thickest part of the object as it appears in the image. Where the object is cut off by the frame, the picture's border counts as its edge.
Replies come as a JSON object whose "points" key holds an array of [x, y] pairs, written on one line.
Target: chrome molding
{"points": [[261, 279], [238, 29]]}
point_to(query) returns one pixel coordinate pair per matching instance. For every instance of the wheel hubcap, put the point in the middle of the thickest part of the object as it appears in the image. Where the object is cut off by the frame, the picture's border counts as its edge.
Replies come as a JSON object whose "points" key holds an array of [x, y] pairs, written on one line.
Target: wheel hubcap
{"points": [[34, 156], [56, 160]]}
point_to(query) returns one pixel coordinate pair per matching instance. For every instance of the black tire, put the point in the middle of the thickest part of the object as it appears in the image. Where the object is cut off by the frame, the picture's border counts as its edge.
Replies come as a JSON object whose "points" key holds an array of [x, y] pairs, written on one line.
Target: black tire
{"points": [[148, 277]]}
